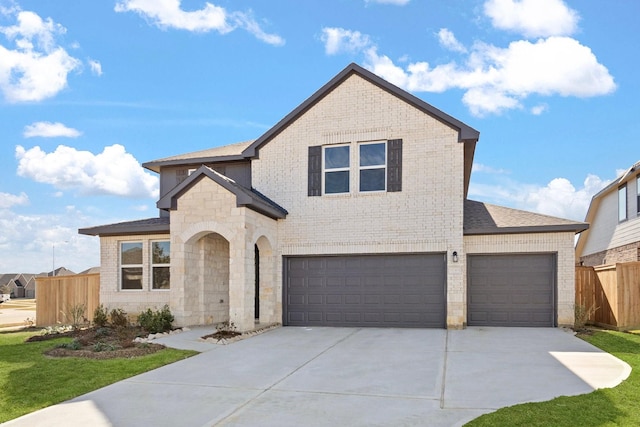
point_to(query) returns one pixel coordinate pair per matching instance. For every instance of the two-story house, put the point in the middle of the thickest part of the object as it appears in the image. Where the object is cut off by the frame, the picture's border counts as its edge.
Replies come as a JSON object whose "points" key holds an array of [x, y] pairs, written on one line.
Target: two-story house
{"points": [[614, 215], [351, 211]]}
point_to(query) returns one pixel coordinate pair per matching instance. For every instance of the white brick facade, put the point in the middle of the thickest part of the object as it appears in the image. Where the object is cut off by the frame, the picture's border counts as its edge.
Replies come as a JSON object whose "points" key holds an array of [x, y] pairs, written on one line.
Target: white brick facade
{"points": [[213, 238]]}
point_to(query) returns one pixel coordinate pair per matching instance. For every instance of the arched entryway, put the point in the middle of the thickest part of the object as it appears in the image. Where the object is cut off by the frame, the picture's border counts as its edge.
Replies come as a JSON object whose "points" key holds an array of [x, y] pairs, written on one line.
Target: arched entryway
{"points": [[206, 279]]}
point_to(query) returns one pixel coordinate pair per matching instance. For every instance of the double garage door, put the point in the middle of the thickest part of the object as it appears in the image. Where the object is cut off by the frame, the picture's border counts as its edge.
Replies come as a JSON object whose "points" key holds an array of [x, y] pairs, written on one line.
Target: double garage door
{"points": [[408, 290]]}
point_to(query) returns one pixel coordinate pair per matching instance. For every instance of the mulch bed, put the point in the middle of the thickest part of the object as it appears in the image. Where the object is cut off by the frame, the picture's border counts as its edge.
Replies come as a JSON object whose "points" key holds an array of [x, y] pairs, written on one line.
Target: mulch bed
{"points": [[101, 343]]}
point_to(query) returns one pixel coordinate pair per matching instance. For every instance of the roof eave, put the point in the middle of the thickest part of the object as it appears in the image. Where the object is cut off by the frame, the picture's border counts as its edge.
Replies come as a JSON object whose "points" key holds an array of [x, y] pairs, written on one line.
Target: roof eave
{"points": [[559, 228], [124, 230], [156, 165]]}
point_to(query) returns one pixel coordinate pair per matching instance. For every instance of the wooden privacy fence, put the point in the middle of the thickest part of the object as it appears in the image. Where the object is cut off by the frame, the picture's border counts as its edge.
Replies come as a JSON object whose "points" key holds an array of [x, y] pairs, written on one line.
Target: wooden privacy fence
{"points": [[55, 296], [614, 291]]}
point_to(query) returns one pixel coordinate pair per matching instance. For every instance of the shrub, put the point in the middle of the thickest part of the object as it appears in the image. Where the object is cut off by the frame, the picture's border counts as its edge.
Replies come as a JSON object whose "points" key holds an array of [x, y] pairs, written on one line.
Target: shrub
{"points": [[100, 316], [73, 345], [156, 321], [5, 289], [582, 315], [75, 314], [101, 346], [119, 318]]}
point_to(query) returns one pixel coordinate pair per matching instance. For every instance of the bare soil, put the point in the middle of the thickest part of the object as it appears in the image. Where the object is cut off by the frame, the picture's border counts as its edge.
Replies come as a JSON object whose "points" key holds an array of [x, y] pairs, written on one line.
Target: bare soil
{"points": [[100, 343]]}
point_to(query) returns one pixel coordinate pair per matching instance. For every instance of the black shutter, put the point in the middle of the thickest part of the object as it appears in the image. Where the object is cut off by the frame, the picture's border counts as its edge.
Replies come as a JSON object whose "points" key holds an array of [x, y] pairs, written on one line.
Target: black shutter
{"points": [[315, 171], [394, 165]]}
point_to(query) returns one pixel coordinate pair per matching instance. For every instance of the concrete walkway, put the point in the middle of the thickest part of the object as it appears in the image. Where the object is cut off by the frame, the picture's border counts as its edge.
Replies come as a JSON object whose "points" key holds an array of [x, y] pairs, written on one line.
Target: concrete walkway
{"points": [[346, 376]]}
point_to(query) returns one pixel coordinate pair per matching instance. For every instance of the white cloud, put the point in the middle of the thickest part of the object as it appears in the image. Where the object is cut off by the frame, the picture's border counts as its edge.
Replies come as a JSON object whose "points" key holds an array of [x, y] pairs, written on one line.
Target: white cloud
{"points": [[539, 109], [50, 130], [532, 18], [448, 41], [481, 168], [499, 79], [8, 200], [112, 172], [96, 67], [168, 14], [558, 198], [36, 68], [338, 40], [27, 242]]}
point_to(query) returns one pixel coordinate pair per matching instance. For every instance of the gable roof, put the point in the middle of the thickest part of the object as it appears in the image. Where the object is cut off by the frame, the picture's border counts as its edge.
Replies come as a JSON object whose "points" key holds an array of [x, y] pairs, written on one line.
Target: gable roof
{"points": [[465, 132], [595, 202], [225, 153], [484, 218], [245, 197]]}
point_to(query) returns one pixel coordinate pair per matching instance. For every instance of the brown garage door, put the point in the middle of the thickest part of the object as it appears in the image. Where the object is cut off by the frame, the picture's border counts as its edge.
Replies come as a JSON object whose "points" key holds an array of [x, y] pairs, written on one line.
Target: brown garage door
{"points": [[511, 290], [365, 290]]}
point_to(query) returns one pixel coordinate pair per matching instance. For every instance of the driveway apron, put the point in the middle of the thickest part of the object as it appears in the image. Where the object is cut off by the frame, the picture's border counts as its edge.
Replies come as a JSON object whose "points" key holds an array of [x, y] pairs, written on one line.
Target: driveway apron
{"points": [[346, 376]]}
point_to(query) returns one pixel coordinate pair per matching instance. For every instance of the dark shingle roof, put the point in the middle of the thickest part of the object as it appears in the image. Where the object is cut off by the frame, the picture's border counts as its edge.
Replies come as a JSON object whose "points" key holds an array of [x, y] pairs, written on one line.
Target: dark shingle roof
{"points": [[484, 218], [143, 226]]}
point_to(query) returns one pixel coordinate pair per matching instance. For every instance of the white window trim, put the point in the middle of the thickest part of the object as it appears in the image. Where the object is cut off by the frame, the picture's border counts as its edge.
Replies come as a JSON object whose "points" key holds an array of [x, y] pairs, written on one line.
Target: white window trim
{"points": [[623, 189], [121, 266], [386, 168], [152, 265], [638, 195], [344, 169]]}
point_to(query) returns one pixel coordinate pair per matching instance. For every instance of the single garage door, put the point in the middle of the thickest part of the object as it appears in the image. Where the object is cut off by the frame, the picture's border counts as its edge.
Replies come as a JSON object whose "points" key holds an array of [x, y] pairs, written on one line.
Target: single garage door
{"points": [[511, 290], [365, 290]]}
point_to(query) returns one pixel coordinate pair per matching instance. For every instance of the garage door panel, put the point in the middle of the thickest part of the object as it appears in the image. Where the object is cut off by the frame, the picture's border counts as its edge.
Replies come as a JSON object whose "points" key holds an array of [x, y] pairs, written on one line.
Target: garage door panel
{"points": [[511, 290], [369, 290]]}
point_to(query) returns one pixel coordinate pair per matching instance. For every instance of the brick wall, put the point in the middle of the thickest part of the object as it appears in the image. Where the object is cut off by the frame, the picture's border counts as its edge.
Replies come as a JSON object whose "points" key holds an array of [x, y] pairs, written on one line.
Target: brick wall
{"points": [[625, 253]]}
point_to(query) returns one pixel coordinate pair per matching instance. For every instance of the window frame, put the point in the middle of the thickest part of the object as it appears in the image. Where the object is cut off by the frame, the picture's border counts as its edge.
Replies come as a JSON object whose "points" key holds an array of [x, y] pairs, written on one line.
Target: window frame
{"points": [[326, 170], [122, 266], [153, 265], [622, 203], [638, 195], [385, 166]]}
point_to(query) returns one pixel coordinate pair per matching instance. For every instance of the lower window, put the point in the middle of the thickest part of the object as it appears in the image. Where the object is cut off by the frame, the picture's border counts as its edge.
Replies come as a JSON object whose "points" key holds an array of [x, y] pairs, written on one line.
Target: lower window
{"points": [[131, 265], [160, 261]]}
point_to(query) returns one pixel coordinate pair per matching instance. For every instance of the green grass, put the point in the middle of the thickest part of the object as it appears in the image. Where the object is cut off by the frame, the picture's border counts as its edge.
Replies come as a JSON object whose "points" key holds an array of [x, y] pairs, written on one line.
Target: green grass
{"points": [[619, 406], [30, 381]]}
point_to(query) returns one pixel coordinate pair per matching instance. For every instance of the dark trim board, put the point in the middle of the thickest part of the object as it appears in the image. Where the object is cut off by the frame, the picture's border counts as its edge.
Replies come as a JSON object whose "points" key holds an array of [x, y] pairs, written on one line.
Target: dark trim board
{"points": [[512, 290], [365, 290]]}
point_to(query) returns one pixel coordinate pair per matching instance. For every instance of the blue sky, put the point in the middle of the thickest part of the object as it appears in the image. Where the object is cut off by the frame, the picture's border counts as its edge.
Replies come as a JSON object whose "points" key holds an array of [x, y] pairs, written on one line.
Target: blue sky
{"points": [[91, 90]]}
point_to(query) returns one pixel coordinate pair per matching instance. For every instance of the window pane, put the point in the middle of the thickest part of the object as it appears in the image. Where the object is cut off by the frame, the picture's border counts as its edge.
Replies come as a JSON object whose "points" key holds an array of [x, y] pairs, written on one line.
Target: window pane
{"points": [[373, 155], [131, 253], [161, 277], [132, 278], [372, 180], [336, 157], [622, 203], [336, 182], [161, 252]]}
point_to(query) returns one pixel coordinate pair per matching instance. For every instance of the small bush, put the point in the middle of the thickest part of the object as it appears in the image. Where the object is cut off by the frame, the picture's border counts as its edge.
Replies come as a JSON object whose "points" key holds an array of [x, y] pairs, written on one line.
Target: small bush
{"points": [[102, 332], [75, 314], [119, 318], [100, 316], [156, 321], [73, 345], [101, 346], [582, 315]]}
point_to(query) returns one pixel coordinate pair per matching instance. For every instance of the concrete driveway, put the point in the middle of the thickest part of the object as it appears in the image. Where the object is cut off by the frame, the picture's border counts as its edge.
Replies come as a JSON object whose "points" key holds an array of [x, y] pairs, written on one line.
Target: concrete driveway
{"points": [[343, 376]]}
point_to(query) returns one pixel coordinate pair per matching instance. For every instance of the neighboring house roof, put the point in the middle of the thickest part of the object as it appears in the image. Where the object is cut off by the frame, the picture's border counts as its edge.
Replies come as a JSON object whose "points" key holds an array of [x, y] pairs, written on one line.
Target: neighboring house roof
{"points": [[245, 197], [92, 270], [484, 218], [230, 152], [144, 226], [595, 202]]}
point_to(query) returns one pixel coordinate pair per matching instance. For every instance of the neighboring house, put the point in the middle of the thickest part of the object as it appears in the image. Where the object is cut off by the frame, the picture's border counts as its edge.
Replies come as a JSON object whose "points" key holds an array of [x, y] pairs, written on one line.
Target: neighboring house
{"points": [[22, 284], [351, 211], [614, 215]]}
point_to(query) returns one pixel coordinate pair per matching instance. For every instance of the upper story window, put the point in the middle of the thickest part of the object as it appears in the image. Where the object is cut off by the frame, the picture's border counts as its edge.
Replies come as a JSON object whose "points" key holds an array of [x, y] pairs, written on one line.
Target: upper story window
{"points": [[373, 166], [131, 265], [622, 203], [378, 163], [160, 265], [638, 197], [336, 169]]}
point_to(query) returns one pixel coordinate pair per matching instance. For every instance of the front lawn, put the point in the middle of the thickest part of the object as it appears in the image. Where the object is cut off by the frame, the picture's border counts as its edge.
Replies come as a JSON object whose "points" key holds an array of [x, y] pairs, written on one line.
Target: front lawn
{"points": [[617, 406], [30, 381]]}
